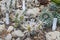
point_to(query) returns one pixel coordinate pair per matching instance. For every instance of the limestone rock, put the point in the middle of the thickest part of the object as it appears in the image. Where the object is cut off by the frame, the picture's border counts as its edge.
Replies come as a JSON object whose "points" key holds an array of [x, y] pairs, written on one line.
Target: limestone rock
{"points": [[10, 28], [0, 38], [2, 27], [18, 39], [33, 11], [8, 37], [17, 33], [53, 35]]}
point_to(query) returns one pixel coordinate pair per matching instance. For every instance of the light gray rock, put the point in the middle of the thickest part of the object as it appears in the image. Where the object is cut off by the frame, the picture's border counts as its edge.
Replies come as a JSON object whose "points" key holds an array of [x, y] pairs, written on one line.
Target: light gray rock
{"points": [[10, 28], [1, 39], [18, 39], [17, 33], [8, 37], [34, 11], [2, 27], [53, 35]]}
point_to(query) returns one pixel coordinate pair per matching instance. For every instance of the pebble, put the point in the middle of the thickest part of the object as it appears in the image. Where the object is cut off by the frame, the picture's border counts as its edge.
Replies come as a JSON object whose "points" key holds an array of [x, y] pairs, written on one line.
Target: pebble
{"points": [[17, 33], [18, 39], [10, 28], [53, 35], [2, 27], [0, 38], [8, 37], [33, 11]]}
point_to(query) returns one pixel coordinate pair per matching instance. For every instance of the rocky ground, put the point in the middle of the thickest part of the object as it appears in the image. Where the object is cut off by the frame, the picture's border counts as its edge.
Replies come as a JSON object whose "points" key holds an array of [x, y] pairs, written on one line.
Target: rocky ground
{"points": [[29, 24]]}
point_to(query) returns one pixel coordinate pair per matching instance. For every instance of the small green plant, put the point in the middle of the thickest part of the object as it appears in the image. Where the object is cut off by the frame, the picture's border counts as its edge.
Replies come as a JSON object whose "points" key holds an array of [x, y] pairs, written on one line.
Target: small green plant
{"points": [[18, 20]]}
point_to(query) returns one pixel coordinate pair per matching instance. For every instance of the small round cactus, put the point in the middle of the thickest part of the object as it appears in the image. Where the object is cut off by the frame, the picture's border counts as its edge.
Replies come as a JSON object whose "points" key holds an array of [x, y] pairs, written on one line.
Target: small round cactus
{"points": [[47, 18]]}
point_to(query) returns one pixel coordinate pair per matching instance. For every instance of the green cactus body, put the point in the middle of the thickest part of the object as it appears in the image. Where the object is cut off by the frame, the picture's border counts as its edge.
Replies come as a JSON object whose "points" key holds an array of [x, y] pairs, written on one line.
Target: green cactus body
{"points": [[46, 17]]}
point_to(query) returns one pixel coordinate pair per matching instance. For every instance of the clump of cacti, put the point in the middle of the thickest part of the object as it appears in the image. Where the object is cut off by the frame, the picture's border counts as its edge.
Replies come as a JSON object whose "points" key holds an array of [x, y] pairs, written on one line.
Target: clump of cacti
{"points": [[55, 9]]}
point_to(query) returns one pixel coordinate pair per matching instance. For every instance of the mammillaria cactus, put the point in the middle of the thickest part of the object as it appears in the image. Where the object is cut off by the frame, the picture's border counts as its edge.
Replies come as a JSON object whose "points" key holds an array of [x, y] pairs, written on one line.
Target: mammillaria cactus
{"points": [[52, 7], [55, 9], [58, 16], [47, 18]]}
